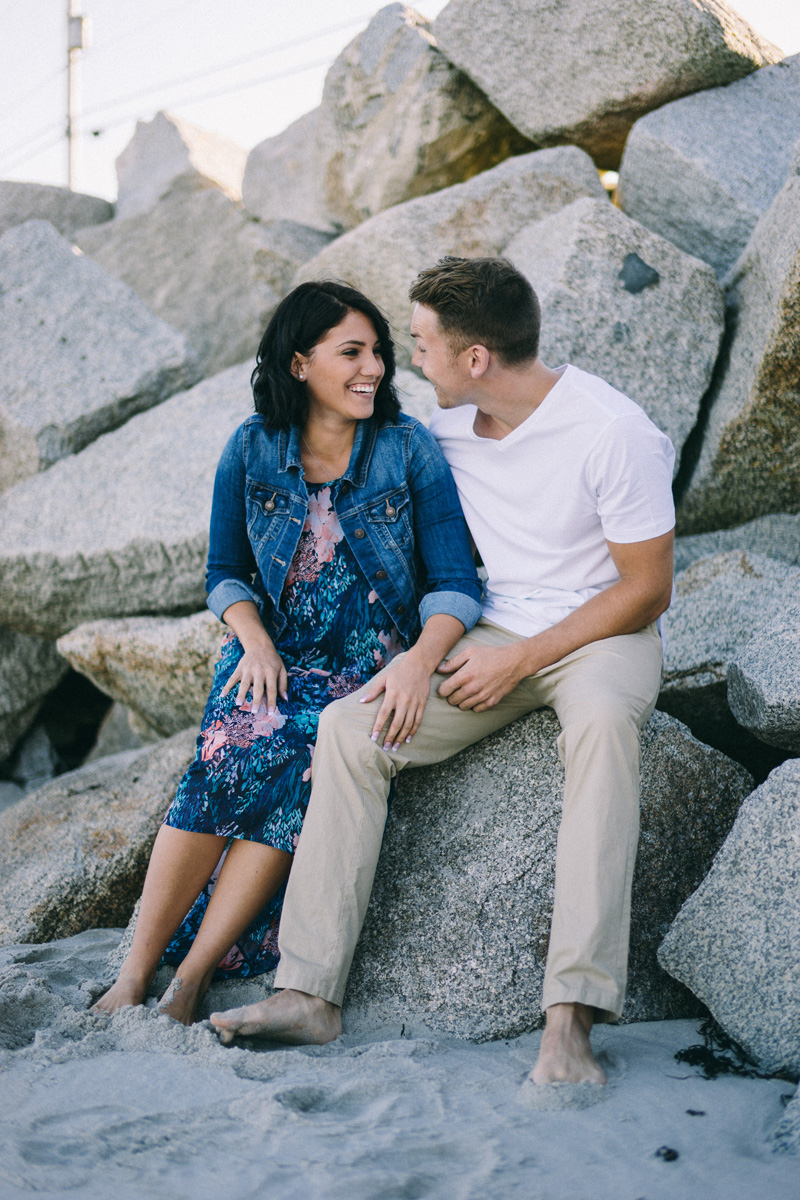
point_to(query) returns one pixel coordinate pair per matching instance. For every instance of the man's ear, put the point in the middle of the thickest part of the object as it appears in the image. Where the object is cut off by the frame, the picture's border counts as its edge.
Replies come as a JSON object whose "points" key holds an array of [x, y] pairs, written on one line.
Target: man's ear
{"points": [[479, 358]]}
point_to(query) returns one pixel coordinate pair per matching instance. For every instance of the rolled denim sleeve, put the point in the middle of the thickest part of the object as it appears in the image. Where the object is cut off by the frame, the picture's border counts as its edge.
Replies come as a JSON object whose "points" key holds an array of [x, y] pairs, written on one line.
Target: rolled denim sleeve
{"points": [[442, 538], [231, 563]]}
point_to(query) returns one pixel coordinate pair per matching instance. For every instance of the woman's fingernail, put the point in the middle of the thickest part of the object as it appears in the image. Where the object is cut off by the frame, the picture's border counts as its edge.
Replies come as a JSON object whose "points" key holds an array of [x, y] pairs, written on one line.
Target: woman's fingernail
{"points": [[396, 747], [374, 737], [270, 711], [408, 739], [362, 700], [387, 745]]}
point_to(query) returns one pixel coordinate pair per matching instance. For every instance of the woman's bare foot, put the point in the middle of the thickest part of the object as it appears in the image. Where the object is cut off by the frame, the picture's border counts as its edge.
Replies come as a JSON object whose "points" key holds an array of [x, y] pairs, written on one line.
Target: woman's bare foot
{"points": [[288, 1016], [128, 989], [181, 999], [565, 1053]]}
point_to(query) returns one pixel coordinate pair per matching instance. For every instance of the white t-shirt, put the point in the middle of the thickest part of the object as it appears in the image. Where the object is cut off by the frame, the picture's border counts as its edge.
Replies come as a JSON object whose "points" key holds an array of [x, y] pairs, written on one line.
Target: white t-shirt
{"points": [[588, 464]]}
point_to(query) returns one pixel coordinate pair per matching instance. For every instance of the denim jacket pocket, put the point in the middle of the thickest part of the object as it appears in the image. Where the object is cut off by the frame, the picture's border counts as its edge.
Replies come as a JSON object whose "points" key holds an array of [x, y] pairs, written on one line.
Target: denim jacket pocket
{"points": [[390, 516], [268, 509]]}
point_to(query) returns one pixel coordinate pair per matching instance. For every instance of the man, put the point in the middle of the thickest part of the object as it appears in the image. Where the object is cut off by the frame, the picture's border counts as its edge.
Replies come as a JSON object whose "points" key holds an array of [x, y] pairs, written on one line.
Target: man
{"points": [[566, 488]]}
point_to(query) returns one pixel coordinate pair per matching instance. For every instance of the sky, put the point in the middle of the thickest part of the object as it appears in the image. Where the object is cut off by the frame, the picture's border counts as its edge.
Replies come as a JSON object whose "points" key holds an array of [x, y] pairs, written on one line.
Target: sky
{"points": [[242, 68]]}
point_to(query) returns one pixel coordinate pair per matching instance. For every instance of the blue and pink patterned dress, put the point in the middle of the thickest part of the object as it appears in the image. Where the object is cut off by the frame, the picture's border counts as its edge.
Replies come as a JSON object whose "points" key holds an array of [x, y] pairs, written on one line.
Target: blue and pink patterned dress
{"points": [[251, 777]]}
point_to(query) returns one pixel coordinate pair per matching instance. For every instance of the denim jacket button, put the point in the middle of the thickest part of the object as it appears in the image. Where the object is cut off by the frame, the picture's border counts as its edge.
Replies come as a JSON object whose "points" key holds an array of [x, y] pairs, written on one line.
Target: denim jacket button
{"points": [[390, 512], [359, 533], [381, 574], [401, 608]]}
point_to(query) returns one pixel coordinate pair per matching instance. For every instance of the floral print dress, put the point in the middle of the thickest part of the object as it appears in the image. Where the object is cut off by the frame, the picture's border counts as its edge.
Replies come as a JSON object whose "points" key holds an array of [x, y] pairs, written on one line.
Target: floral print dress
{"points": [[251, 777]]}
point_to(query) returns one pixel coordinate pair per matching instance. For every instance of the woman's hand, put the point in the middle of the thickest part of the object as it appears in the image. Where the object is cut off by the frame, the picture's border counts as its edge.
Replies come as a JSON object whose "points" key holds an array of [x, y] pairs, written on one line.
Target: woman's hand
{"points": [[405, 685], [260, 670]]}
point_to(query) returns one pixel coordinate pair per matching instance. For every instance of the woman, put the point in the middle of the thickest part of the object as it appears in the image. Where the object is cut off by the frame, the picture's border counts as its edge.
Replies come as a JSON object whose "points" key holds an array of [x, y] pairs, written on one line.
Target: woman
{"points": [[335, 533]]}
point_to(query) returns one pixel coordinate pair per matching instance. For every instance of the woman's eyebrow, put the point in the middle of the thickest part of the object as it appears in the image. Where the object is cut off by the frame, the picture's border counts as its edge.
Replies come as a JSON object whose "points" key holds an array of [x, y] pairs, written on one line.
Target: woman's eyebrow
{"points": [[355, 342]]}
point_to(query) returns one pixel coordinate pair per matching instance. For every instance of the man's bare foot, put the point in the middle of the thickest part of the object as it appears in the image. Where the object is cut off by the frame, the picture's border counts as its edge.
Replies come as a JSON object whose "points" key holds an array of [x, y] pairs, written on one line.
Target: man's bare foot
{"points": [[288, 1016], [181, 999], [565, 1053], [128, 989]]}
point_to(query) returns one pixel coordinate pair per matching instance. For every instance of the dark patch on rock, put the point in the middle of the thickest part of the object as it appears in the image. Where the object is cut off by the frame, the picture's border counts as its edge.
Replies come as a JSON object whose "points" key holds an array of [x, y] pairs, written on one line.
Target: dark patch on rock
{"points": [[636, 275]]}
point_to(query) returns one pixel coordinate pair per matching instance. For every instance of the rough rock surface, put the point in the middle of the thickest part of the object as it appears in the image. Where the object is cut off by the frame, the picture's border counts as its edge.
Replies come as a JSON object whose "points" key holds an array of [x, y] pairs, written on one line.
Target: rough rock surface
{"points": [[116, 735], [720, 603], [764, 681], [406, 122], [457, 929], [749, 463], [79, 355], [417, 396], [65, 210], [166, 148], [734, 942], [477, 217], [285, 176], [121, 528], [74, 854], [785, 1138], [682, 171], [206, 267], [160, 667], [777, 535], [583, 73], [625, 304], [29, 669]]}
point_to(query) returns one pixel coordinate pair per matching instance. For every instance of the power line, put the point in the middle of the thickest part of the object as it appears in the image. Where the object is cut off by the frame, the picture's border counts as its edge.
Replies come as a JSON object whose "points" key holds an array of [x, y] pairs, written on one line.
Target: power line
{"points": [[20, 162], [236, 62], [34, 92]]}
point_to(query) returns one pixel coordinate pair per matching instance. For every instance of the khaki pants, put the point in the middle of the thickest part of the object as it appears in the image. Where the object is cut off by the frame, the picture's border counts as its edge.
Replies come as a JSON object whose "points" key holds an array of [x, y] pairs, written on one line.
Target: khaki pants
{"points": [[602, 694]]}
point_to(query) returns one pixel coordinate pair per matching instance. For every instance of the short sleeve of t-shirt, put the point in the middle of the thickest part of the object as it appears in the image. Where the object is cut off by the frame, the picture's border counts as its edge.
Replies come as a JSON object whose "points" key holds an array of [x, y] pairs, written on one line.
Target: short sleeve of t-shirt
{"points": [[630, 469]]}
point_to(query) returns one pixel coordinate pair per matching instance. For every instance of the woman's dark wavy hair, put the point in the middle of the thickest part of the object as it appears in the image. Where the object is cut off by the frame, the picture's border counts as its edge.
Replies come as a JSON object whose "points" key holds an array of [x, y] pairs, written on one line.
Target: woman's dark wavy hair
{"points": [[300, 321]]}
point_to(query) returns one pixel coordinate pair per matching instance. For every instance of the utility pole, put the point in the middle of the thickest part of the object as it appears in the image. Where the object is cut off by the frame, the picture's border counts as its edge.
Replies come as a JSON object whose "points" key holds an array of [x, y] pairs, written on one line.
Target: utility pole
{"points": [[76, 41]]}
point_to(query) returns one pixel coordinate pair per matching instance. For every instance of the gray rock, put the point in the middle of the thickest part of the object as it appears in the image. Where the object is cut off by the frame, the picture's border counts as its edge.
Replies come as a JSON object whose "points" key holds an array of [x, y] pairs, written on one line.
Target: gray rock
{"points": [[10, 793], [417, 396], [36, 760], [683, 172], [764, 682], [74, 854], [720, 603], [121, 528], [285, 176], [749, 463], [777, 535], [785, 1137], [29, 669], [474, 218], [166, 148], [206, 267], [625, 304], [115, 735], [65, 210], [457, 929], [405, 121], [80, 353], [734, 942], [160, 667], [572, 72]]}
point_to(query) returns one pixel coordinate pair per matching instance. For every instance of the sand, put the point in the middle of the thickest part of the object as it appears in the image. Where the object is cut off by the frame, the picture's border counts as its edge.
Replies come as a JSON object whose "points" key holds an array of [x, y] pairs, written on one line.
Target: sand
{"points": [[136, 1107]]}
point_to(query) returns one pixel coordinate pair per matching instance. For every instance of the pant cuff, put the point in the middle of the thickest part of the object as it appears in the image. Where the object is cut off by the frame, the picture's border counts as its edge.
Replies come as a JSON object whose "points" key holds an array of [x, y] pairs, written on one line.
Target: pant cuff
{"points": [[310, 980], [608, 1005]]}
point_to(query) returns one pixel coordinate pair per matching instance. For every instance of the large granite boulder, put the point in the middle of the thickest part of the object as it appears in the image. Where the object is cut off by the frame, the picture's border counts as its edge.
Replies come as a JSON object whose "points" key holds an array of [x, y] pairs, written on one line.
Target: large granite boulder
{"points": [[166, 148], [623, 303], [285, 176], [206, 267], [405, 121], [73, 855], [417, 396], [29, 669], [734, 942], [720, 603], [457, 930], [583, 73], [121, 528], [785, 1137], [65, 210], [385, 254], [749, 463], [160, 667], [80, 353], [776, 535], [764, 682], [702, 170]]}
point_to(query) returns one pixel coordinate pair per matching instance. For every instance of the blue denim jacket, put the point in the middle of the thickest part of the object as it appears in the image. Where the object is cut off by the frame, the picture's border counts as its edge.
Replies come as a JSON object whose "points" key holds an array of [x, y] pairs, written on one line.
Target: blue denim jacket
{"points": [[397, 505]]}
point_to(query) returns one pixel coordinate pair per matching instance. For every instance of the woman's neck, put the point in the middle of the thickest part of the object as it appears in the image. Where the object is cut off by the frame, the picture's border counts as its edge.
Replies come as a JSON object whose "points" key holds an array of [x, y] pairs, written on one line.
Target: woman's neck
{"points": [[326, 449]]}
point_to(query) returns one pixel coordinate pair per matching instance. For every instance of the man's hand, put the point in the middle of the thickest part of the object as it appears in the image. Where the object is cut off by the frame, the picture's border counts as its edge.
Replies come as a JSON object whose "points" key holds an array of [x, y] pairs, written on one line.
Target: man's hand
{"points": [[482, 676]]}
